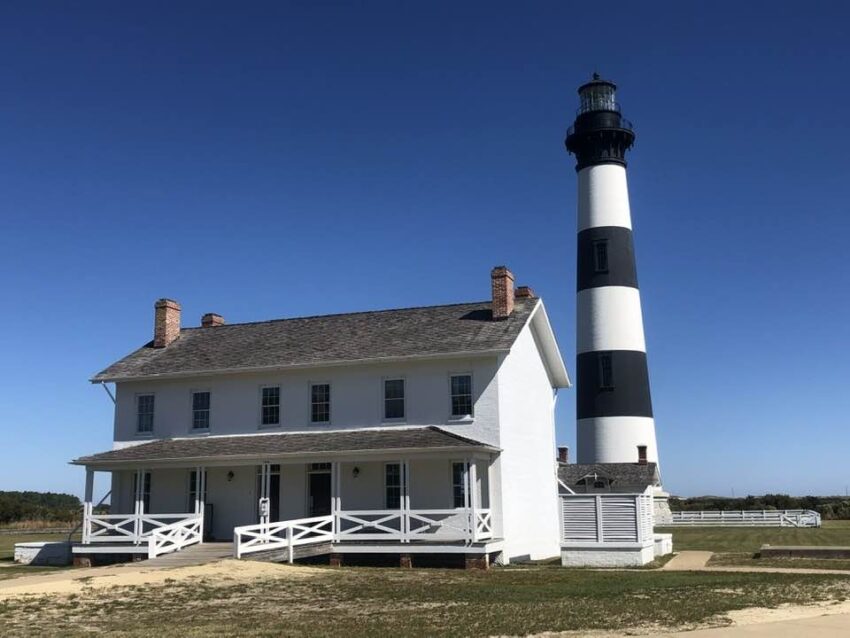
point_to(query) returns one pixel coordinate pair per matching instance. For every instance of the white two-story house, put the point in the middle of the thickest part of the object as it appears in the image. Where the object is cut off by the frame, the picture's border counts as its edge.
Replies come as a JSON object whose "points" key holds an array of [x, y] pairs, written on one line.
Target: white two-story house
{"points": [[419, 430]]}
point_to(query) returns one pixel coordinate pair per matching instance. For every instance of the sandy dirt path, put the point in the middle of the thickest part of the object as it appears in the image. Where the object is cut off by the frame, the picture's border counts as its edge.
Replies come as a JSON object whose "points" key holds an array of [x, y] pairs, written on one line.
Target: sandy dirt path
{"points": [[75, 580]]}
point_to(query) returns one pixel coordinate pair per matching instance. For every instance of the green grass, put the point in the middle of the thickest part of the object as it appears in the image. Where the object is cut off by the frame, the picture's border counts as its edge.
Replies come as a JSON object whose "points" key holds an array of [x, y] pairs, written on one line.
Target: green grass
{"points": [[8, 569], [750, 539], [422, 602], [751, 560]]}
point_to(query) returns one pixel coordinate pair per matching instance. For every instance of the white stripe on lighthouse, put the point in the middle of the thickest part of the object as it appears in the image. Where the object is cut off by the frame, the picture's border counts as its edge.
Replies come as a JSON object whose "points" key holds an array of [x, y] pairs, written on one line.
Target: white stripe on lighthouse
{"points": [[609, 318], [603, 197], [615, 439]]}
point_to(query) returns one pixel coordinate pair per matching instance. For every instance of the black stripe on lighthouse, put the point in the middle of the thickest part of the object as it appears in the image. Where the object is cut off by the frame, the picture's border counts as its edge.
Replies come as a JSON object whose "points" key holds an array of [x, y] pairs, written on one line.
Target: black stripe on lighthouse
{"points": [[606, 257], [612, 383]]}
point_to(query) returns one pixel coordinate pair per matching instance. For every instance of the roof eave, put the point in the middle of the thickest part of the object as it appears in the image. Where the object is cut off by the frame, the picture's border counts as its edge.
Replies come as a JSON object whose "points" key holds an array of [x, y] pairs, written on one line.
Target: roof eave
{"points": [[552, 359], [101, 378], [281, 455]]}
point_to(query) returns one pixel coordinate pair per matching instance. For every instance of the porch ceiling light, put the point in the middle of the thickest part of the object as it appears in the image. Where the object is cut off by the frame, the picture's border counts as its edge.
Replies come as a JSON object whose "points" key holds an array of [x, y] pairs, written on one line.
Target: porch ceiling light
{"points": [[355, 472]]}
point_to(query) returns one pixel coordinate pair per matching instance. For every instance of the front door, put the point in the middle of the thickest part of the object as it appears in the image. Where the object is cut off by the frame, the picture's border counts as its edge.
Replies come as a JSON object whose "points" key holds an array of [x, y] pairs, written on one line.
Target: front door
{"points": [[319, 493]]}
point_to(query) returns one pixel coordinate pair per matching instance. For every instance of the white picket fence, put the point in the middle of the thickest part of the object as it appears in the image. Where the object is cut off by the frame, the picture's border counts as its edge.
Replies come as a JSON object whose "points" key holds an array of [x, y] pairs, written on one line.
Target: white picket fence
{"points": [[446, 525], [746, 518], [606, 518]]}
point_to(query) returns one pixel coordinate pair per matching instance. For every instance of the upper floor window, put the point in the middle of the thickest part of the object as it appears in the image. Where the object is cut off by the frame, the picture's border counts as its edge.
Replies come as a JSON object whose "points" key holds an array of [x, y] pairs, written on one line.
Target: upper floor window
{"points": [[144, 413], [393, 398], [392, 485], [461, 388], [270, 406], [606, 371], [459, 484], [320, 403], [600, 256], [200, 410]]}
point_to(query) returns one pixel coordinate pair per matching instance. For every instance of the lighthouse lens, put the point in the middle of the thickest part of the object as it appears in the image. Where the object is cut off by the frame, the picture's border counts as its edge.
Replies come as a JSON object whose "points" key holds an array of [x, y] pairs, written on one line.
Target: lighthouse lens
{"points": [[598, 97]]}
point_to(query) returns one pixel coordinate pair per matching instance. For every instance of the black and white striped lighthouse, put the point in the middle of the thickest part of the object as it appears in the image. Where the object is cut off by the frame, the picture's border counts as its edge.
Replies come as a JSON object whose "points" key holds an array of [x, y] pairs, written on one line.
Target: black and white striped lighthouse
{"points": [[613, 405]]}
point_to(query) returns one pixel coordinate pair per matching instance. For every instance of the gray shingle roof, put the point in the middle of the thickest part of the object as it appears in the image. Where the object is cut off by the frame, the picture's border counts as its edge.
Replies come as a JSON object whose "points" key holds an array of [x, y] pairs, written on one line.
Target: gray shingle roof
{"points": [[632, 474], [284, 444], [307, 341]]}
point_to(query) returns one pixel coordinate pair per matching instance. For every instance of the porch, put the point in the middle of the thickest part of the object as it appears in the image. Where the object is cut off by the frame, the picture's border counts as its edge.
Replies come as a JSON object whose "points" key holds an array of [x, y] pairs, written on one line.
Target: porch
{"points": [[421, 501]]}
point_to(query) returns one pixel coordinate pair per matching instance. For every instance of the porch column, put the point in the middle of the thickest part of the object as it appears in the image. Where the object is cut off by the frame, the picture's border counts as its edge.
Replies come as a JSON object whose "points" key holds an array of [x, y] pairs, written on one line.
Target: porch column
{"points": [[335, 498], [405, 501], [200, 500], [139, 510], [264, 495], [473, 498], [87, 504], [466, 500]]}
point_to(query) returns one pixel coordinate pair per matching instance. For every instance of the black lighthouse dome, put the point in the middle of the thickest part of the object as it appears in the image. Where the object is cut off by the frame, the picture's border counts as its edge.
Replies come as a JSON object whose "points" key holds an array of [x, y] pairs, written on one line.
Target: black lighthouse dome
{"points": [[600, 134]]}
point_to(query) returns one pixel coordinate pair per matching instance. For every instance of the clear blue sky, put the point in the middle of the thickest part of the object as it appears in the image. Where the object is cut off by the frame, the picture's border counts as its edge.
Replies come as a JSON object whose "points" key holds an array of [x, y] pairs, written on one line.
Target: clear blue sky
{"points": [[271, 160]]}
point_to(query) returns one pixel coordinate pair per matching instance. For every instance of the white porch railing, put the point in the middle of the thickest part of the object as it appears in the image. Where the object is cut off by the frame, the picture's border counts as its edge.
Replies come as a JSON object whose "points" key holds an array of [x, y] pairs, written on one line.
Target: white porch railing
{"points": [[282, 535], [174, 537], [128, 528], [746, 518], [395, 526]]}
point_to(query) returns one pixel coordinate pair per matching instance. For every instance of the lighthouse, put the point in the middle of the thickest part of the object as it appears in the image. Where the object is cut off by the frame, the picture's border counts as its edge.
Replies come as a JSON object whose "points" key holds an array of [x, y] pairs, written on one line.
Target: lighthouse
{"points": [[613, 405]]}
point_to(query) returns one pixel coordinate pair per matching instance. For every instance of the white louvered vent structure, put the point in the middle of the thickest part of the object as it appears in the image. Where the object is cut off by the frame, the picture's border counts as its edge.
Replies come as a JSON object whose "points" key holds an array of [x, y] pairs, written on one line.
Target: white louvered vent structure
{"points": [[606, 518]]}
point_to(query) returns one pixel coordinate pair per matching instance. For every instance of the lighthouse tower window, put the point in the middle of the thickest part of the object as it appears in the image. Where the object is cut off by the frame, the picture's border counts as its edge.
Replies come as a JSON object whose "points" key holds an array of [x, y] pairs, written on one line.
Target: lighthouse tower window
{"points": [[606, 371], [600, 256]]}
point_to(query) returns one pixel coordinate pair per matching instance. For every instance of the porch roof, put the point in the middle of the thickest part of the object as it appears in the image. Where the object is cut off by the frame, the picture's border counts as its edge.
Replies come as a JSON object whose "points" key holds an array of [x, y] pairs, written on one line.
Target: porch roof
{"points": [[287, 444]]}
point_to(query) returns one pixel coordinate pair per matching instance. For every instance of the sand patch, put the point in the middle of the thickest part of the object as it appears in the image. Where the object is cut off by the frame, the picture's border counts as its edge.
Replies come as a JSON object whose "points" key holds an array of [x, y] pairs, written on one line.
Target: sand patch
{"points": [[759, 615], [75, 581]]}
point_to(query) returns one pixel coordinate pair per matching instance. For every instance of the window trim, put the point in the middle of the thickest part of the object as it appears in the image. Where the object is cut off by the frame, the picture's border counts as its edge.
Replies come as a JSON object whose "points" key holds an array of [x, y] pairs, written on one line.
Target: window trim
{"points": [[310, 385], [462, 418], [384, 418], [192, 427], [596, 267], [400, 466], [269, 426], [602, 356], [136, 430]]}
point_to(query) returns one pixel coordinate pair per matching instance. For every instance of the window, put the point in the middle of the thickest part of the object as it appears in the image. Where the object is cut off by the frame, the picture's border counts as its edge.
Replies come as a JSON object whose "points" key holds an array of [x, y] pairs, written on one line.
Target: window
{"points": [[392, 485], [144, 413], [320, 403], [200, 410], [393, 398], [270, 406], [606, 371], [461, 388], [459, 484], [600, 256], [193, 490], [146, 489]]}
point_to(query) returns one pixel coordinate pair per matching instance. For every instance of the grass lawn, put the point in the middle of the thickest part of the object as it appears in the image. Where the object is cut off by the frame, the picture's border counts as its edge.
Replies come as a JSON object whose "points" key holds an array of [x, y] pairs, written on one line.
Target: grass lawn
{"points": [[8, 569], [749, 560], [750, 539], [422, 602]]}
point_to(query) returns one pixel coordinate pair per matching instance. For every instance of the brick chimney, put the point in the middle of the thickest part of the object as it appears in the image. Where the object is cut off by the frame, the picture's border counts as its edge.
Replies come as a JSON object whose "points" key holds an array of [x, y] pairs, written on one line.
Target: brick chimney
{"points": [[211, 320], [503, 292], [641, 455], [166, 326], [563, 454], [523, 292]]}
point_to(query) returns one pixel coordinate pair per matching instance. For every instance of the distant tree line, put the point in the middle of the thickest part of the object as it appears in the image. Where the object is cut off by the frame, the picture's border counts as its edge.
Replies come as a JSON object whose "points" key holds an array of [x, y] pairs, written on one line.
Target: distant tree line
{"points": [[829, 507], [43, 506]]}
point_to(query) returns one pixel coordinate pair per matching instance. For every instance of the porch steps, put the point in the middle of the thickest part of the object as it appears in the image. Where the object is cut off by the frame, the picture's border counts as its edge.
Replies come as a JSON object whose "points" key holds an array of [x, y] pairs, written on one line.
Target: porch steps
{"points": [[193, 555], [299, 551]]}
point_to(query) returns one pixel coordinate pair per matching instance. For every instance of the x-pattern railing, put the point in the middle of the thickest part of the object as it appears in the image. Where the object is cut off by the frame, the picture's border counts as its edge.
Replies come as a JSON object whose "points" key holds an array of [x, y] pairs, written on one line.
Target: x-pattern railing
{"points": [[110, 528], [282, 534], [174, 537]]}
